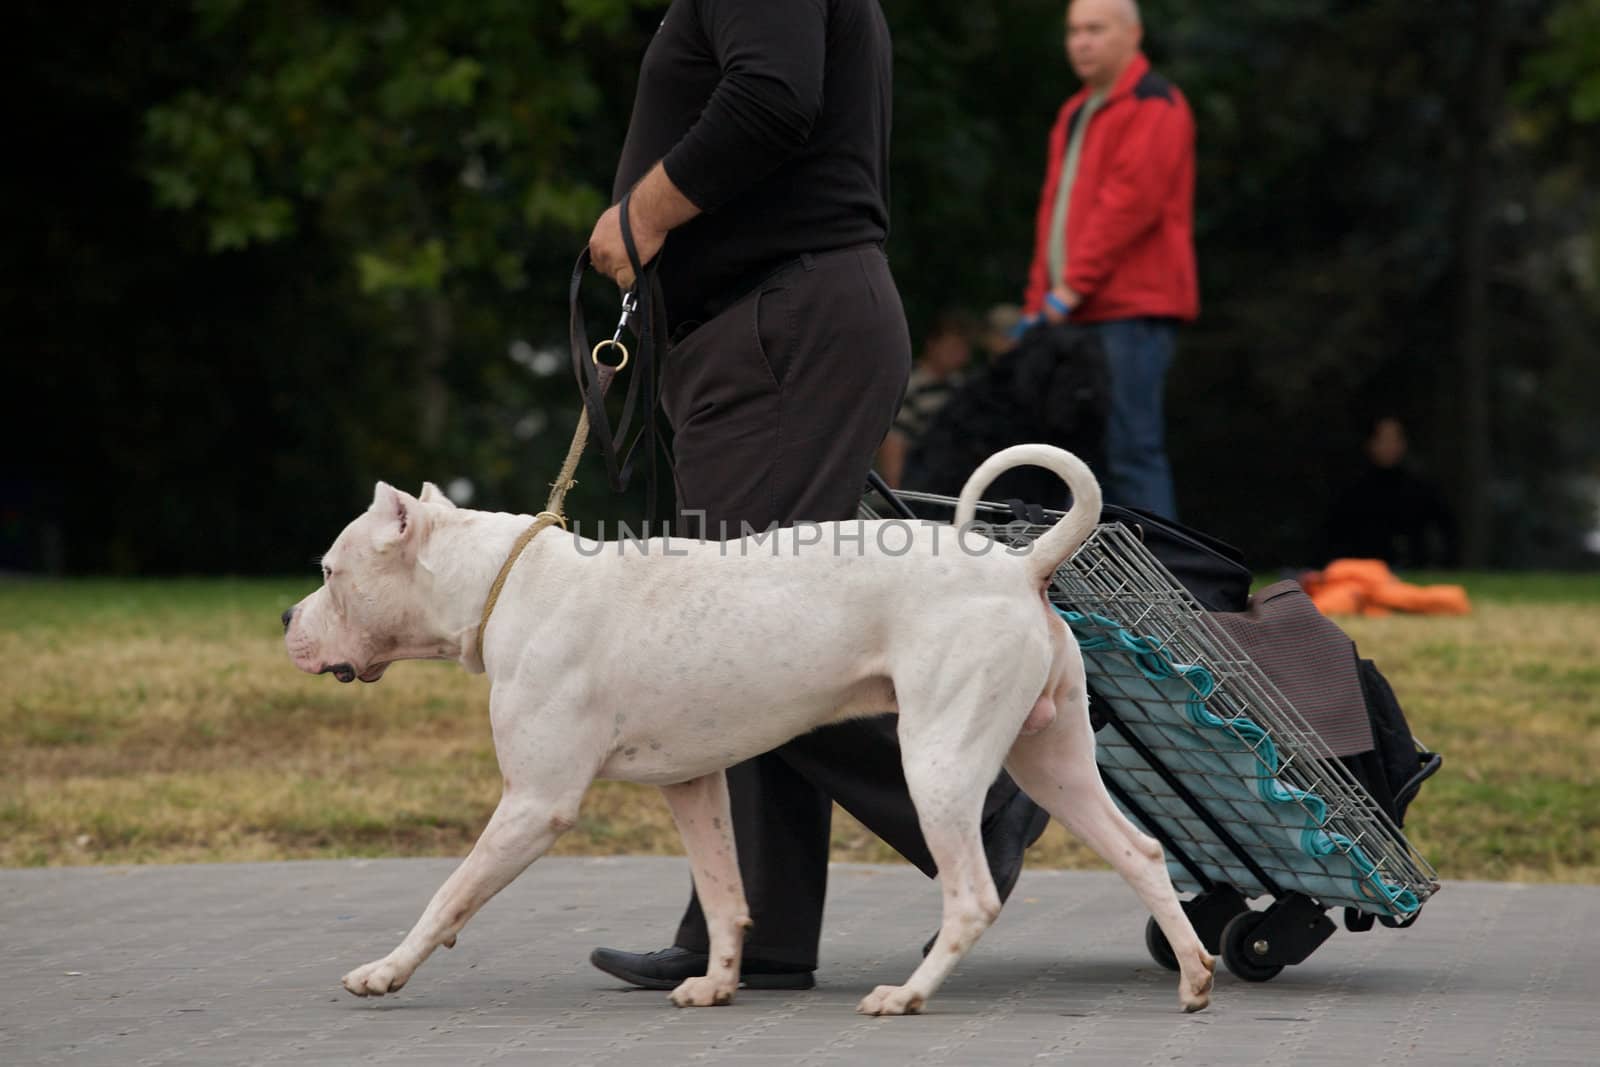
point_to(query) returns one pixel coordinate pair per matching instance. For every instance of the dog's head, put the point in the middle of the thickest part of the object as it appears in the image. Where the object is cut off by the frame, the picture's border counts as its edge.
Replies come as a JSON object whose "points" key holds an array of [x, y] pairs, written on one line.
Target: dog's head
{"points": [[374, 604]]}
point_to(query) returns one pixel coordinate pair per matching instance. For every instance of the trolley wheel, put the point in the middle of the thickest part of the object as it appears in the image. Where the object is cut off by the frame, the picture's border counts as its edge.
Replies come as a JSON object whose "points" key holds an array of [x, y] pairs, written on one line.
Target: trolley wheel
{"points": [[1239, 949], [1160, 948], [1358, 921]]}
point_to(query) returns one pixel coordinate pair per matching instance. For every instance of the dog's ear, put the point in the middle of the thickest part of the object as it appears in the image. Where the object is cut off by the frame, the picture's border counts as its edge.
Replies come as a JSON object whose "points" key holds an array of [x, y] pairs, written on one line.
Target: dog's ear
{"points": [[396, 513], [432, 494]]}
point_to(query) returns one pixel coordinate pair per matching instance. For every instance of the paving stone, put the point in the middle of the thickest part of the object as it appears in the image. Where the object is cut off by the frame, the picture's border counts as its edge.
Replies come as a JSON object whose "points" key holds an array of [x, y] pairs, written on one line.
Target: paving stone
{"points": [[240, 964]]}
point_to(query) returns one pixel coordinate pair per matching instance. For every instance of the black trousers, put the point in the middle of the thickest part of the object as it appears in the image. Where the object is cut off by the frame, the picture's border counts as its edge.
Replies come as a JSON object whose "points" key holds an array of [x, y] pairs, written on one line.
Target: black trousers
{"points": [[778, 405]]}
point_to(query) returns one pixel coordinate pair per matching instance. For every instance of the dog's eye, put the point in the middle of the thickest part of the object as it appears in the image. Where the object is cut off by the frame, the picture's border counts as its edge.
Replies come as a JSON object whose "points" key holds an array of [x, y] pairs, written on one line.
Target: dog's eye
{"points": [[327, 572]]}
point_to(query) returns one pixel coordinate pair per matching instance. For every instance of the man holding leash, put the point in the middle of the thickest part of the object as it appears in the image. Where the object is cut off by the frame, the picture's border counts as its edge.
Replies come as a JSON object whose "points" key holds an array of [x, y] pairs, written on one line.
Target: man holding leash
{"points": [[1114, 244], [757, 156]]}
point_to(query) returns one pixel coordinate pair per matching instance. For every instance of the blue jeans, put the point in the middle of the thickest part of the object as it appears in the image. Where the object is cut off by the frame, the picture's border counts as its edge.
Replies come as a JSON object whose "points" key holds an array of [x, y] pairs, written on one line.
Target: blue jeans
{"points": [[1138, 353]]}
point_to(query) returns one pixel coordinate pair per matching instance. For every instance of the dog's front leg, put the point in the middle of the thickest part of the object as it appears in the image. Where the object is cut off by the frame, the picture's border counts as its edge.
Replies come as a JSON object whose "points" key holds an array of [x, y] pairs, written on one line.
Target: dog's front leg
{"points": [[700, 808], [521, 829]]}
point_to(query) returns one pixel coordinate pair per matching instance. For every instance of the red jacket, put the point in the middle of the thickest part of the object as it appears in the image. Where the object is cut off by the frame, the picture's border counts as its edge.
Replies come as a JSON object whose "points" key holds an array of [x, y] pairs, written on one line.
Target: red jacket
{"points": [[1130, 223]]}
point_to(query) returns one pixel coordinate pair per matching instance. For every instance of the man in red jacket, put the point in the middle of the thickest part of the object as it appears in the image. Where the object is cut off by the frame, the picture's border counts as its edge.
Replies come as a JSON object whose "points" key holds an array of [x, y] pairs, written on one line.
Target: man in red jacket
{"points": [[1114, 246]]}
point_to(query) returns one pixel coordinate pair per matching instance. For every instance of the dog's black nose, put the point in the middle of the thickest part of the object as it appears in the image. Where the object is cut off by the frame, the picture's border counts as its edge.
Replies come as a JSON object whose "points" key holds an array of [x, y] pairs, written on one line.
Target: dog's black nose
{"points": [[288, 617]]}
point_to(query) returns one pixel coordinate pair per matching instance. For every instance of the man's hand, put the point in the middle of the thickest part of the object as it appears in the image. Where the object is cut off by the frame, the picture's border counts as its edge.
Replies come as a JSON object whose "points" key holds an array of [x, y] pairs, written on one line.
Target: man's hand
{"points": [[610, 255], [1058, 304], [656, 208]]}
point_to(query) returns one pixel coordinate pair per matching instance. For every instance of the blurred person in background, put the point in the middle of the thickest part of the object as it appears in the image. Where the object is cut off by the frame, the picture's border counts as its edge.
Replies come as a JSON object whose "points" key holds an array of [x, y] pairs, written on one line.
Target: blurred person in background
{"points": [[1002, 325], [938, 371], [1389, 511], [1114, 244]]}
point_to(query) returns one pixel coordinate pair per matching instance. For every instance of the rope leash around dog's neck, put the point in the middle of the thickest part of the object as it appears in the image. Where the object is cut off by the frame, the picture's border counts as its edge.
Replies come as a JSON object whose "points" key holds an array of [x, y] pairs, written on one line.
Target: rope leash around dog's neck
{"points": [[552, 514]]}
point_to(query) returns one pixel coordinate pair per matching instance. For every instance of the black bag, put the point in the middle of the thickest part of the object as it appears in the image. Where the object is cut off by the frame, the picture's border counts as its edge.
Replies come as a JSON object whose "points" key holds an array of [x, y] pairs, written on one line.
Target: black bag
{"points": [[1052, 387], [1213, 571], [1402, 762]]}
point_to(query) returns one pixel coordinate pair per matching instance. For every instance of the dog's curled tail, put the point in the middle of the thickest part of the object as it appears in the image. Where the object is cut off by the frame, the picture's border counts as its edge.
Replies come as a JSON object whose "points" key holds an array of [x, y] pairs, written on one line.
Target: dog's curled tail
{"points": [[1063, 539]]}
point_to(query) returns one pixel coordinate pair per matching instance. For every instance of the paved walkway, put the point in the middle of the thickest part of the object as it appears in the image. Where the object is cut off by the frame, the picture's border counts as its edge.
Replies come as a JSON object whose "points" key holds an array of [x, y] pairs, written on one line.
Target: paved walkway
{"points": [[239, 964]]}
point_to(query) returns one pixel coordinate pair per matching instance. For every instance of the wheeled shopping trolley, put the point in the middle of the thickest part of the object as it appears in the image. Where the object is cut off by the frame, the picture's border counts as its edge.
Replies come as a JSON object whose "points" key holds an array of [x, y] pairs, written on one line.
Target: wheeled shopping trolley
{"points": [[1200, 748]]}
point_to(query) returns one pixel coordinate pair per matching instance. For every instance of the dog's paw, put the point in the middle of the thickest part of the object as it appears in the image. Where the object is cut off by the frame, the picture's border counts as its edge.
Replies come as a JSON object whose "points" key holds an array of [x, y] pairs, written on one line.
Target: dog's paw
{"points": [[703, 992], [376, 978], [1196, 995], [891, 1000]]}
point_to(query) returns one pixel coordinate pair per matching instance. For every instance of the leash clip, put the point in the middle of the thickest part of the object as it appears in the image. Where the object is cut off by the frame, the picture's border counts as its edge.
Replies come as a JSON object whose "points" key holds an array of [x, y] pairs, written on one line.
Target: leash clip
{"points": [[630, 305]]}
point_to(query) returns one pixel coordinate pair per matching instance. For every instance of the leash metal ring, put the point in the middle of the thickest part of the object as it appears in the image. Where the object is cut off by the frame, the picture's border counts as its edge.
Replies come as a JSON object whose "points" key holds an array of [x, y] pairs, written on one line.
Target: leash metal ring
{"points": [[610, 342]]}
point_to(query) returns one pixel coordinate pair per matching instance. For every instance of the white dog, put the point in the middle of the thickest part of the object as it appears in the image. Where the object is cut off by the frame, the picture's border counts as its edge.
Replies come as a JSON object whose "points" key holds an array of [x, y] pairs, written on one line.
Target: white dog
{"points": [[667, 661]]}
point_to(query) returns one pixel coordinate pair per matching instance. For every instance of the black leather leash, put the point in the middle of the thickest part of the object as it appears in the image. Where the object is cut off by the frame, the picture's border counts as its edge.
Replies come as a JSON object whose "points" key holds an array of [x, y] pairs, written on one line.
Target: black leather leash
{"points": [[643, 314]]}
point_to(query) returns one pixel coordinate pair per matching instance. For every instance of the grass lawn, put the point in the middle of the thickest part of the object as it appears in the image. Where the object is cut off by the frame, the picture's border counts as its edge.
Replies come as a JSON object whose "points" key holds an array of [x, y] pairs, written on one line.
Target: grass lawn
{"points": [[161, 722]]}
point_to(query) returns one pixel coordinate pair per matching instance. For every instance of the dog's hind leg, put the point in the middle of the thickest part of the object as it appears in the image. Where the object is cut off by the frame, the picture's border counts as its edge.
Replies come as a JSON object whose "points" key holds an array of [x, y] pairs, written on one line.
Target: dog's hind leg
{"points": [[947, 775], [1056, 768], [700, 808]]}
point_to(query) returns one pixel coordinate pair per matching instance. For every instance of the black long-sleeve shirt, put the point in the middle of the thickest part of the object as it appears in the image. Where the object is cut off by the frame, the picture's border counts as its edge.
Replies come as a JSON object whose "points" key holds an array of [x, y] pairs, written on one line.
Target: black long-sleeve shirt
{"points": [[772, 117]]}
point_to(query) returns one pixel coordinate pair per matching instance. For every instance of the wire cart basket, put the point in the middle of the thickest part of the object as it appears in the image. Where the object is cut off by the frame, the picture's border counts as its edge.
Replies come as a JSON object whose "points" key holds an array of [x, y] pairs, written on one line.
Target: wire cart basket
{"points": [[1204, 752]]}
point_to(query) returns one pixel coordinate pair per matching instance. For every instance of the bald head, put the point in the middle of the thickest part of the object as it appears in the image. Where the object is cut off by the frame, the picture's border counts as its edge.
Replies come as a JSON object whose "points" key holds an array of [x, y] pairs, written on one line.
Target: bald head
{"points": [[1102, 38], [1126, 10]]}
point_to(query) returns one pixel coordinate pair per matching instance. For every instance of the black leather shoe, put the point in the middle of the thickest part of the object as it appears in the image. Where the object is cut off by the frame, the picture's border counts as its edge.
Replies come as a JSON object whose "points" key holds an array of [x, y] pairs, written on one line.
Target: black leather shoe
{"points": [[667, 967], [1015, 827]]}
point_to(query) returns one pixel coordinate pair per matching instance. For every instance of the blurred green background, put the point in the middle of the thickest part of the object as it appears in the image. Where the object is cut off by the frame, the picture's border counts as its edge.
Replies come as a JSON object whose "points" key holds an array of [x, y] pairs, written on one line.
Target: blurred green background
{"points": [[264, 254]]}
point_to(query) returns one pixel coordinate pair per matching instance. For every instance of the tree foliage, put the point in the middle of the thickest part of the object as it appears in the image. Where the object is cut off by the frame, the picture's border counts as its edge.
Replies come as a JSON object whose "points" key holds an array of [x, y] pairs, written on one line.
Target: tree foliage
{"points": [[454, 156], [282, 250]]}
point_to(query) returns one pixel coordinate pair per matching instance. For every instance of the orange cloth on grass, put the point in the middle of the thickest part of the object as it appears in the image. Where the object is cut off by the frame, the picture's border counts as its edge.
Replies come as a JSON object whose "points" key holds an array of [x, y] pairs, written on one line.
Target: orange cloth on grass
{"points": [[1369, 587]]}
